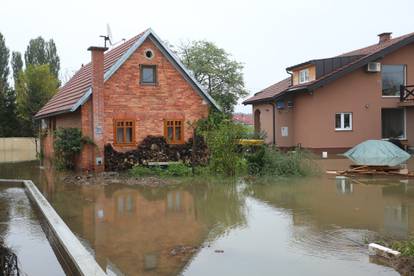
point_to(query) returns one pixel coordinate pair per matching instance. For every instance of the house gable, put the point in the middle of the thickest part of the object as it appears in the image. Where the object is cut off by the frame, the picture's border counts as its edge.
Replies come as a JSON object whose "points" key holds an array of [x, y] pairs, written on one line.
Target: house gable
{"points": [[78, 89], [172, 97], [149, 34]]}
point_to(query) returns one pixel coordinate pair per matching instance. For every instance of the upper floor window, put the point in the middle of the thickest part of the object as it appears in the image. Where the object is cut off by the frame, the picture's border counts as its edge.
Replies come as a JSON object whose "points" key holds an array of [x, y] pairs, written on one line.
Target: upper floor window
{"points": [[124, 132], [304, 75], [343, 121], [148, 74], [173, 131], [392, 77]]}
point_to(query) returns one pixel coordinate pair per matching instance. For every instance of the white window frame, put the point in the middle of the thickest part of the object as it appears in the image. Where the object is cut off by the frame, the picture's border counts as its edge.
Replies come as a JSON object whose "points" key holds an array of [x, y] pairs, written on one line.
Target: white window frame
{"points": [[343, 128], [304, 75]]}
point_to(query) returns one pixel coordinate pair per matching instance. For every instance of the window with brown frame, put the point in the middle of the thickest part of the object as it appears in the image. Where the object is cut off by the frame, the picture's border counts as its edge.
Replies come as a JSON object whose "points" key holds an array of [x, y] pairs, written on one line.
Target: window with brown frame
{"points": [[173, 131], [124, 132]]}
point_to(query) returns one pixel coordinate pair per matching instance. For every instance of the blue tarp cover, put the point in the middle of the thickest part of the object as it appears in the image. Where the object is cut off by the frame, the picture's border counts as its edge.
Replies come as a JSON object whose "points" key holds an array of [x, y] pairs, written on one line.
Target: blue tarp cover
{"points": [[377, 153]]}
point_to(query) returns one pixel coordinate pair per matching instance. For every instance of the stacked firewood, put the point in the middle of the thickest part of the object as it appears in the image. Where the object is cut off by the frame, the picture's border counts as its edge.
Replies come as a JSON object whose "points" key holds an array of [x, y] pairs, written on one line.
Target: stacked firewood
{"points": [[156, 149]]}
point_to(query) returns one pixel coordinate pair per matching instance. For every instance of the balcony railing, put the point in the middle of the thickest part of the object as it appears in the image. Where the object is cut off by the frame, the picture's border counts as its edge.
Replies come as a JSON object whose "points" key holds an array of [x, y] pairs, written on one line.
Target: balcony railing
{"points": [[407, 93]]}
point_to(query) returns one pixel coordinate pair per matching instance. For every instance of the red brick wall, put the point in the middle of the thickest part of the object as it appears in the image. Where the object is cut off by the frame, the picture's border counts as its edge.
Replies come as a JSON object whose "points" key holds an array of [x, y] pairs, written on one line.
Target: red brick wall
{"points": [[97, 55], [172, 97], [125, 98], [87, 156]]}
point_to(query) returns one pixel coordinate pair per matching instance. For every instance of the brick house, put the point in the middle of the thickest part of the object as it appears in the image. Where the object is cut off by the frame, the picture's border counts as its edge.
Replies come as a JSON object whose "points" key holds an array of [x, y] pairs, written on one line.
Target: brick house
{"points": [[137, 89], [332, 104]]}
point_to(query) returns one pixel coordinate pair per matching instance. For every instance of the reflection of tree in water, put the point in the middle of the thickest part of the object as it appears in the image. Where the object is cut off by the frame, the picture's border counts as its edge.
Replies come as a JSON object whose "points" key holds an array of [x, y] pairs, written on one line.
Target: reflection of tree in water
{"points": [[219, 205]]}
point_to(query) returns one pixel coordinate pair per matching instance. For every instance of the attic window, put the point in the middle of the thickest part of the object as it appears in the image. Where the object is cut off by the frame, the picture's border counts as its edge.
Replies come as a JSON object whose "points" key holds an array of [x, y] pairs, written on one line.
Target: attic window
{"points": [[304, 75], [149, 54], [148, 74]]}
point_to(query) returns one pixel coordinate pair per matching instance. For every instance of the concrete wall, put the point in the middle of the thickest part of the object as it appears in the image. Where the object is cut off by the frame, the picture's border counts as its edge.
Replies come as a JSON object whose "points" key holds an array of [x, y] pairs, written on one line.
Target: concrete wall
{"points": [[17, 149], [266, 120]]}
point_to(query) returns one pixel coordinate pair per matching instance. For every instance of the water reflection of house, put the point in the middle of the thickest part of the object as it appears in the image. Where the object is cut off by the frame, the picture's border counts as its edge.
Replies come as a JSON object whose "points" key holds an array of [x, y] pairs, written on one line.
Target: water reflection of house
{"points": [[383, 207], [133, 231]]}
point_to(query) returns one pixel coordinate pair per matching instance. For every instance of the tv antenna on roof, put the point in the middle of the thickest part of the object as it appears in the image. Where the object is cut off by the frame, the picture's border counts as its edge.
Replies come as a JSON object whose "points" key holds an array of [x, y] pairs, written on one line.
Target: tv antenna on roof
{"points": [[108, 37]]}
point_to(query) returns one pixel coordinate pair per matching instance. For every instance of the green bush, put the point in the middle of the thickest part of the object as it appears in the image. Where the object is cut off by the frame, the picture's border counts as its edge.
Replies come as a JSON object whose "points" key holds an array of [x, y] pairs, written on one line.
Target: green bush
{"points": [[267, 161], [298, 162], [225, 156], [173, 169], [67, 145]]}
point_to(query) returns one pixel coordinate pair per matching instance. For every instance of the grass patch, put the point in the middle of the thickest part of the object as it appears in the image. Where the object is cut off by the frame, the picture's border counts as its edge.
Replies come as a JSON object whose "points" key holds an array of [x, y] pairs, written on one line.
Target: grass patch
{"points": [[173, 169], [267, 161], [406, 247]]}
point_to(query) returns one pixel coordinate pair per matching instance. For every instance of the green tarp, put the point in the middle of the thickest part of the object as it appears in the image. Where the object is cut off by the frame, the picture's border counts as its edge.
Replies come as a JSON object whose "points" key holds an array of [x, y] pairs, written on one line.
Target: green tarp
{"points": [[377, 153]]}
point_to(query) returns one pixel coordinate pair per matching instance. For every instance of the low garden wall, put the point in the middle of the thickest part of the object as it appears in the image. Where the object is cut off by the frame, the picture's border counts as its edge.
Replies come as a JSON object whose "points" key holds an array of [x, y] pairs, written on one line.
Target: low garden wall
{"points": [[16, 149]]}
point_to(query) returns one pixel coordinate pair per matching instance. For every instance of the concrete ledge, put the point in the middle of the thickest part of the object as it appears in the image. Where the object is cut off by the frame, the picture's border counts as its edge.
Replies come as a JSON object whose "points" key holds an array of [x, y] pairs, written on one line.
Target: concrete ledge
{"points": [[76, 254], [382, 251]]}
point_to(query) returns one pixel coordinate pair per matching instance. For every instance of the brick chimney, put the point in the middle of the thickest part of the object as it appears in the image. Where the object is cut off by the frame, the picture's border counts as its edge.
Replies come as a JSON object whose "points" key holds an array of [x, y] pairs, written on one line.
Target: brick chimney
{"points": [[97, 54], [384, 37]]}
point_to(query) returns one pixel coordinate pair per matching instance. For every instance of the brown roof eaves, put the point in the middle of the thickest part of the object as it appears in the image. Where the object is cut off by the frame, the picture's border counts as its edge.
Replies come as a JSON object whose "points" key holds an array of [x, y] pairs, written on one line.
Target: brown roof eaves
{"points": [[377, 53]]}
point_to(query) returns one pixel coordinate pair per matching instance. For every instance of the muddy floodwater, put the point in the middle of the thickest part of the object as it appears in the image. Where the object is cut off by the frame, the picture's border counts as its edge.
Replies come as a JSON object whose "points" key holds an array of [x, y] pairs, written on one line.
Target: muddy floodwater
{"points": [[297, 226], [21, 231]]}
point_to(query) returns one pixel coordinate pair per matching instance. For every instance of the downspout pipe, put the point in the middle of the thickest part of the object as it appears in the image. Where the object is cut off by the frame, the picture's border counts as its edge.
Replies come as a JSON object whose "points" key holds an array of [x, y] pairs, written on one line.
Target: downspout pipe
{"points": [[274, 122]]}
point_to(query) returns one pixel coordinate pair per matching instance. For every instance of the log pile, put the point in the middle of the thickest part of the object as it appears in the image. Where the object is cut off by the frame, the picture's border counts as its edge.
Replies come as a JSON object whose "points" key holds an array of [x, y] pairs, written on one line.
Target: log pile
{"points": [[374, 171], [155, 149]]}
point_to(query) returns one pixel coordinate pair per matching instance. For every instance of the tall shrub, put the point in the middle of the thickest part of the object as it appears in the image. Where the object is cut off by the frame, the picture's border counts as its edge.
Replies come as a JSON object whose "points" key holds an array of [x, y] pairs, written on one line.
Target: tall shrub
{"points": [[225, 158]]}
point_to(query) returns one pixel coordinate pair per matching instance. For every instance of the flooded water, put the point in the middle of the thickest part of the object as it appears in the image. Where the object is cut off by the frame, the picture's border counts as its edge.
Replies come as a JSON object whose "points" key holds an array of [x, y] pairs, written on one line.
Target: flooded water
{"points": [[21, 231], [299, 226]]}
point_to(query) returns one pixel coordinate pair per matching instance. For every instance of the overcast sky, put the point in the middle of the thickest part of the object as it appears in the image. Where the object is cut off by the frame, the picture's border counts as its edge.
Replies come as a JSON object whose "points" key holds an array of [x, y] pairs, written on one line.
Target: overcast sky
{"points": [[266, 36]]}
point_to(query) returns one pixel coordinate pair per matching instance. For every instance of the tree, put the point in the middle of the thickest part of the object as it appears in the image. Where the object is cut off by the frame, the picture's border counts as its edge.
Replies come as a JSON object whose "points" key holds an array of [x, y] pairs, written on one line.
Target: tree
{"points": [[8, 119], [4, 65], [40, 52], [35, 86], [17, 65], [213, 67]]}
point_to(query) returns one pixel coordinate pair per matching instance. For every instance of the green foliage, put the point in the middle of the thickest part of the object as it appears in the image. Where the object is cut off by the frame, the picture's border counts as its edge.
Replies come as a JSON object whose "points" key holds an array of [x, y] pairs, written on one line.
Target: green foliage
{"points": [[214, 119], [173, 169], [40, 52], [4, 65], [35, 86], [67, 145], [225, 158], [216, 71], [17, 65], [267, 161], [8, 121], [405, 247]]}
